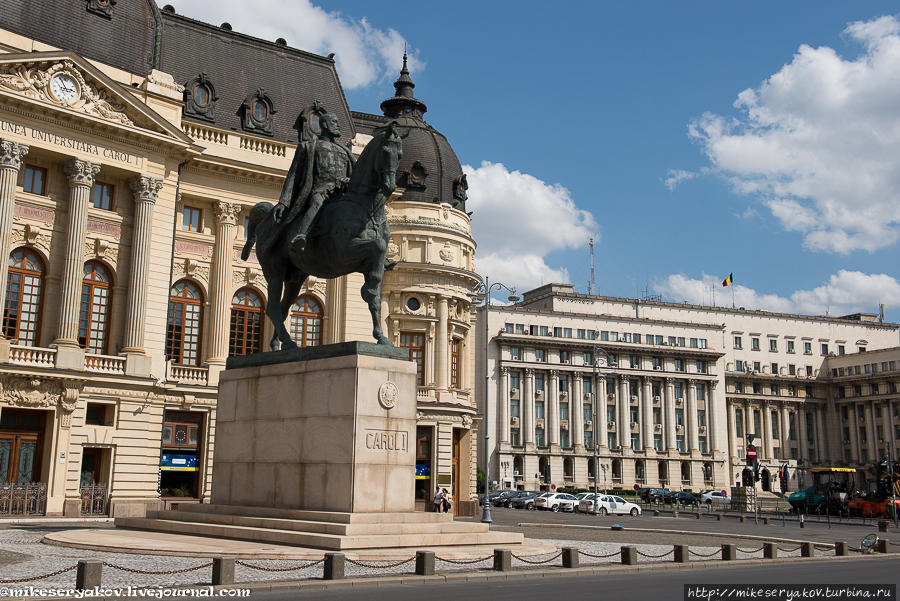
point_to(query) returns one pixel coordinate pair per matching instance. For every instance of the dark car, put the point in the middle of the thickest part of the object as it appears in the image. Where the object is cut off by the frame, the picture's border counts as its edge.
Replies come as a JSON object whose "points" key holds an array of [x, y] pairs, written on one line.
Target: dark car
{"points": [[524, 501], [502, 499], [654, 495], [682, 498]]}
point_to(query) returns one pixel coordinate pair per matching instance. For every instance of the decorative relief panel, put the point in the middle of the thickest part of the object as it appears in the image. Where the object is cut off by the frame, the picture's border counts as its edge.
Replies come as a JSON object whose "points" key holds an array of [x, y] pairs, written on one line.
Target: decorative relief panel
{"points": [[23, 391], [98, 248], [447, 254], [193, 248], [191, 268], [63, 84], [104, 227], [37, 213], [30, 235]]}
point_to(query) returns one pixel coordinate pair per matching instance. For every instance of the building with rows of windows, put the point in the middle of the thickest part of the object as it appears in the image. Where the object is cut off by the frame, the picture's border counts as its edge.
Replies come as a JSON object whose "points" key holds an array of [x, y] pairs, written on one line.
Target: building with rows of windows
{"points": [[130, 156], [670, 392]]}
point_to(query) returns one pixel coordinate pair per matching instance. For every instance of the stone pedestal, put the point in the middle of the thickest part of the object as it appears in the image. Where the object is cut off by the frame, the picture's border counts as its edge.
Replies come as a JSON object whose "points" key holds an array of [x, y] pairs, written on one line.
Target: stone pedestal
{"points": [[332, 433]]}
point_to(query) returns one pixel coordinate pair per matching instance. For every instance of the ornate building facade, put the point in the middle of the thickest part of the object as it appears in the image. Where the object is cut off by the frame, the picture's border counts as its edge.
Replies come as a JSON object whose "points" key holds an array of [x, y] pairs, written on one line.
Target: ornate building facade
{"points": [[130, 156], [677, 390]]}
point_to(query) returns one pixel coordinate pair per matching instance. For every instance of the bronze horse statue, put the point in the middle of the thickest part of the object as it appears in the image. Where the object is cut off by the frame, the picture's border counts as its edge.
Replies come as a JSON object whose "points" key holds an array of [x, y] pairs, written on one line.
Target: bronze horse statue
{"points": [[350, 235]]}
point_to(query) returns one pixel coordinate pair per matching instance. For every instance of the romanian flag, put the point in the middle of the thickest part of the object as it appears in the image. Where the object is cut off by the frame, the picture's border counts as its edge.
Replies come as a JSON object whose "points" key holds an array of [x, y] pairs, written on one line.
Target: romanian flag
{"points": [[727, 281]]}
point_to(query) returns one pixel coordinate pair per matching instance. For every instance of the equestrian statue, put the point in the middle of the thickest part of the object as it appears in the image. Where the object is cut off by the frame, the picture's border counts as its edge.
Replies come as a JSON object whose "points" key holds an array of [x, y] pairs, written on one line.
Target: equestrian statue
{"points": [[329, 220]]}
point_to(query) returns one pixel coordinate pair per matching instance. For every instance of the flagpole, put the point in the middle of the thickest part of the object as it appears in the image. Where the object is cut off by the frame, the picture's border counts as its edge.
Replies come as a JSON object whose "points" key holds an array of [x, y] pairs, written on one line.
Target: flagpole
{"points": [[732, 295]]}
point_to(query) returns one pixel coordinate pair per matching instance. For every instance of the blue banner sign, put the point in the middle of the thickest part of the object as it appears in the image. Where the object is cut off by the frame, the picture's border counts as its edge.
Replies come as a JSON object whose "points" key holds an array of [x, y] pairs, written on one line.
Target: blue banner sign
{"points": [[178, 463], [423, 471]]}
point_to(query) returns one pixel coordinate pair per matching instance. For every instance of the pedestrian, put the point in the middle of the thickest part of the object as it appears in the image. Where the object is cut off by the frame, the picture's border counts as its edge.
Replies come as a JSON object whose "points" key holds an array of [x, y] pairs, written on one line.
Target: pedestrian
{"points": [[445, 497], [438, 500]]}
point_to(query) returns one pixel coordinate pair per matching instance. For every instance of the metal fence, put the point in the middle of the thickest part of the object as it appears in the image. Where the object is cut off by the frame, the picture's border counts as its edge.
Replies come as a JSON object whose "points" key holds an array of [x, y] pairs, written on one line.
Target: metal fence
{"points": [[23, 499], [94, 499]]}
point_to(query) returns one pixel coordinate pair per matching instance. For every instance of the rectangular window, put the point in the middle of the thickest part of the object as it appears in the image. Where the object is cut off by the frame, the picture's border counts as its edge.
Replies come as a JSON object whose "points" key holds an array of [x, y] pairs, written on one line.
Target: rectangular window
{"points": [[657, 363], [807, 348], [693, 343], [773, 389], [757, 389], [191, 219], [679, 389], [564, 439], [658, 442], [659, 340], [701, 392], [563, 356], [775, 429], [739, 423], [604, 335], [790, 346], [415, 343], [246, 226], [454, 365], [702, 342], [757, 428], [102, 197], [563, 383], [774, 369], [587, 412], [611, 413], [544, 330], [773, 344], [539, 437], [680, 341], [739, 387], [679, 416], [679, 364], [515, 353], [557, 332], [635, 362], [637, 338], [514, 380], [702, 441], [633, 414], [588, 358], [757, 366], [701, 367], [539, 409], [35, 179], [739, 365], [514, 408], [809, 370], [671, 341], [792, 426], [626, 337], [589, 439], [679, 443], [538, 382], [614, 336], [754, 344], [840, 349], [824, 348], [792, 369], [635, 441], [611, 440], [564, 411], [520, 328], [508, 328], [567, 332], [540, 355], [588, 385]]}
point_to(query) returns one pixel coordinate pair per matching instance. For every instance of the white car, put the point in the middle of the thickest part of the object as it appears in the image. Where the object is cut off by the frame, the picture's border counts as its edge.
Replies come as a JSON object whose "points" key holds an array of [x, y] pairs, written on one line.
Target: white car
{"points": [[715, 497], [611, 504], [555, 502], [586, 504]]}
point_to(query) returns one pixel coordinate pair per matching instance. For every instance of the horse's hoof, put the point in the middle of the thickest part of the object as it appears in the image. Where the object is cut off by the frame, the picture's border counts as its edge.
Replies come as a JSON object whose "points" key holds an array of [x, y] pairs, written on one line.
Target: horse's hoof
{"points": [[383, 340]]}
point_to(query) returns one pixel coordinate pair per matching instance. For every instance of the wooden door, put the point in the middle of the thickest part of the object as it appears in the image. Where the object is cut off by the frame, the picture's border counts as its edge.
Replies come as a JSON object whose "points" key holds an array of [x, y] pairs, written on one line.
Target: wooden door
{"points": [[19, 458], [457, 434]]}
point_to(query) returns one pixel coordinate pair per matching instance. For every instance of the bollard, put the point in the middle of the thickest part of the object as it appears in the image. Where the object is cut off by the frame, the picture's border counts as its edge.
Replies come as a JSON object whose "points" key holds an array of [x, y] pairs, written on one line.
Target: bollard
{"points": [[742, 518], [629, 556], [674, 513], [728, 553], [840, 548], [883, 525], [425, 563], [881, 546], [223, 570], [765, 521], [770, 551], [88, 574], [502, 560], [802, 521], [656, 513], [806, 549], [334, 566], [570, 557], [698, 515], [682, 552]]}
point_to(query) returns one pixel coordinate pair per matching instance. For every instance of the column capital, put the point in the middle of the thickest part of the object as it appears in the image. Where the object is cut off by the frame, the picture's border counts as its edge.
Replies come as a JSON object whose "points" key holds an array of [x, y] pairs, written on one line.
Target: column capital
{"points": [[11, 154], [81, 172], [529, 372], [504, 370], [554, 374], [145, 188], [226, 213]]}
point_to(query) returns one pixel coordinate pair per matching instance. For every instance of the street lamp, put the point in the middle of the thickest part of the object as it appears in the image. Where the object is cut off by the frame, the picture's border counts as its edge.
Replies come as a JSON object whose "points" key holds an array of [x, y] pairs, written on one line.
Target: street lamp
{"points": [[483, 292]]}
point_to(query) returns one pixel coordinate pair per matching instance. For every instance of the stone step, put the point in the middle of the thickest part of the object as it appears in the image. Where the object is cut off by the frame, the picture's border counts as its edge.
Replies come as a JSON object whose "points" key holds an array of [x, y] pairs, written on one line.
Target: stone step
{"points": [[318, 516], [323, 540], [414, 526]]}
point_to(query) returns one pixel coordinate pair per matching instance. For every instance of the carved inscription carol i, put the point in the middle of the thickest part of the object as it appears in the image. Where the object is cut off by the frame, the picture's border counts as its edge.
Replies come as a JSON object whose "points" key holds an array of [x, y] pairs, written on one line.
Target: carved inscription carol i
{"points": [[387, 440]]}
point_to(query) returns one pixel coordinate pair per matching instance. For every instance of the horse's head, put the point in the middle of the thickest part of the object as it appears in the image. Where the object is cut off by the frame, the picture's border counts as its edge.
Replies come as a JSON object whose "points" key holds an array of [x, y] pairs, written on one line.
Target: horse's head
{"points": [[376, 169]]}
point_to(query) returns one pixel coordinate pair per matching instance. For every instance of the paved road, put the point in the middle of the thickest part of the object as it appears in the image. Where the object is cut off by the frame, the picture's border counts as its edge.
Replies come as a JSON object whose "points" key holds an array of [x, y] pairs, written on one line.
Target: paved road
{"points": [[663, 585], [508, 519]]}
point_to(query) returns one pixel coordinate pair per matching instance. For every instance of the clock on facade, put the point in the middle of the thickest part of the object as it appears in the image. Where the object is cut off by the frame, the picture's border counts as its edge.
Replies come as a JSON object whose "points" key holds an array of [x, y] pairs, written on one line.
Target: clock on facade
{"points": [[64, 88]]}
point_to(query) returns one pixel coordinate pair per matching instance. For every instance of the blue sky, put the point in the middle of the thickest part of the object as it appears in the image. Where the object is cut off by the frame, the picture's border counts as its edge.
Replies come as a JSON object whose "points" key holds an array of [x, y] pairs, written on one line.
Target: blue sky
{"points": [[691, 139]]}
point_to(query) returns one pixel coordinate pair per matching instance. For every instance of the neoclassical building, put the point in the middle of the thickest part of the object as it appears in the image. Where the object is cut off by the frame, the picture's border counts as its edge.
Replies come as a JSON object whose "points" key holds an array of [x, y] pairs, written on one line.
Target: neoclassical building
{"points": [[130, 155], [677, 390]]}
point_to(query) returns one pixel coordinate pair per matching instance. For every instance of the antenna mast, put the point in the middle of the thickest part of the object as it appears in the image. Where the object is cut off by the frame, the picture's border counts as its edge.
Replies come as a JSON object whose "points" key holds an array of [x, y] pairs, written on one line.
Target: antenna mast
{"points": [[591, 283]]}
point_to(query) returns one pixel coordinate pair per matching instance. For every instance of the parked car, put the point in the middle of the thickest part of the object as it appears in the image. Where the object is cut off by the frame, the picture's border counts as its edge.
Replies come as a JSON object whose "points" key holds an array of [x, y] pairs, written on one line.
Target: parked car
{"points": [[586, 504], [683, 498], [507, 500], [715, 497], [524, 501], [653, 495], [611, 504], [582, 495], [555, 501], [499, 499]]}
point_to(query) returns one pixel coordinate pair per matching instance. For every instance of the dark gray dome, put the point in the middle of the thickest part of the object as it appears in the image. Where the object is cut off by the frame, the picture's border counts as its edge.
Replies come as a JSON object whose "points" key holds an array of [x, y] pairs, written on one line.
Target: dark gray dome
{"points": [[429, 170]]}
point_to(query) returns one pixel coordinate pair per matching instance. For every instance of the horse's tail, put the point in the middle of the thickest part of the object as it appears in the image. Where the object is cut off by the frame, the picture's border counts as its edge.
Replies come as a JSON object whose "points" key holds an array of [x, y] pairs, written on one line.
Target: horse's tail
{"points": [[259, 212]]}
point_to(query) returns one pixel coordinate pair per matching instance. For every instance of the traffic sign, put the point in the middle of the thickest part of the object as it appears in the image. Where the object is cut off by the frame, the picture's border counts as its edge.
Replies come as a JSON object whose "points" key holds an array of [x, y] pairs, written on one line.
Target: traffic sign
{"points": [[751, 454]]}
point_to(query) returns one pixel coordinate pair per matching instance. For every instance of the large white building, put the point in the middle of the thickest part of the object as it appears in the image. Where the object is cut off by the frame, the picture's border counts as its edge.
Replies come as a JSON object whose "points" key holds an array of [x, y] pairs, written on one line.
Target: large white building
{"points": [[677, 390]]}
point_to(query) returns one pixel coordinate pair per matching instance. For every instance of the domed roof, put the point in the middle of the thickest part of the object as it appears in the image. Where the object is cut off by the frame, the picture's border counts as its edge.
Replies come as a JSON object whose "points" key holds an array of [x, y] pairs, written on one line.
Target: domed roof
{"points": [[429, 170]]}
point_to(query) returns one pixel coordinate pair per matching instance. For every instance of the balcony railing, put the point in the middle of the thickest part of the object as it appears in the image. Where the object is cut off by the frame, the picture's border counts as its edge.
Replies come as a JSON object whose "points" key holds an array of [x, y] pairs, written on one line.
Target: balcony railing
{"points": [[105, 364], [23, 499], [184, 374], [32, 356]]}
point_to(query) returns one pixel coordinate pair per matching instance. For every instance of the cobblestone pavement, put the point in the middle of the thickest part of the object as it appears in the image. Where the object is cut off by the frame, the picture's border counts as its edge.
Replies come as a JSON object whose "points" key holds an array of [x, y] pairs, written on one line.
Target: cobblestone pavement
{"points": [[28, 557]]}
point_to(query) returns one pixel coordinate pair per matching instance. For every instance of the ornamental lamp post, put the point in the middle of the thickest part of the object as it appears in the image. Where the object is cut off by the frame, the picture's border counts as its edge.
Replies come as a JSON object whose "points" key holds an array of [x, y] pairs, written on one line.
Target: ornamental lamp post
{"points": [[482, 292]]}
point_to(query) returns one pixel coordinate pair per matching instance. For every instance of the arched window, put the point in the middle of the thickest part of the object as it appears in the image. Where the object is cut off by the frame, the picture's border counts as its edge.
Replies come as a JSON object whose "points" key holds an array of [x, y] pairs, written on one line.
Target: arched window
{"points": [[685, 471], [246, 323], [663, 473], [617, 469], [306, 322], [22, 309], [568, 468], [94, 313], [183, 324], [639, 472]]}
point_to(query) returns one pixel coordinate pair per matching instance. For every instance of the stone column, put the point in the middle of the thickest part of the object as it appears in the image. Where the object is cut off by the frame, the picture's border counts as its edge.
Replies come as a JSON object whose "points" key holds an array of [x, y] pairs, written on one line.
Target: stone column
{"points": [[443, 346], [576, 413], [871, 432], [145, 190], [553, 410], [670, 415], [889, 429], [11, 155], [712, 422], [646, 414], [785, 431], [853, 423], [822, 454], [528, 410], [624, 425], [503, 413], [732, 431], [221, 284], [803, 433], [691, 421], [767, 431], [81, 181], [600, 414]]}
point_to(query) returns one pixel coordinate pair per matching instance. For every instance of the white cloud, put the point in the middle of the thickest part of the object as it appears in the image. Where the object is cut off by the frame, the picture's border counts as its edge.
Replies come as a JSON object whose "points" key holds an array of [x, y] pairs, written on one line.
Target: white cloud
{"points": [[819, 142], [364, 54], [843, 293], [676, 176], [518, 220]]}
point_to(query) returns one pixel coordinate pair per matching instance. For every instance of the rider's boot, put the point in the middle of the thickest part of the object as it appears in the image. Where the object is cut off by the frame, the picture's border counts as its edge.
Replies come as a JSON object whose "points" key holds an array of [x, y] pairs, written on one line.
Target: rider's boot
{"points": [[299, 241]]}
